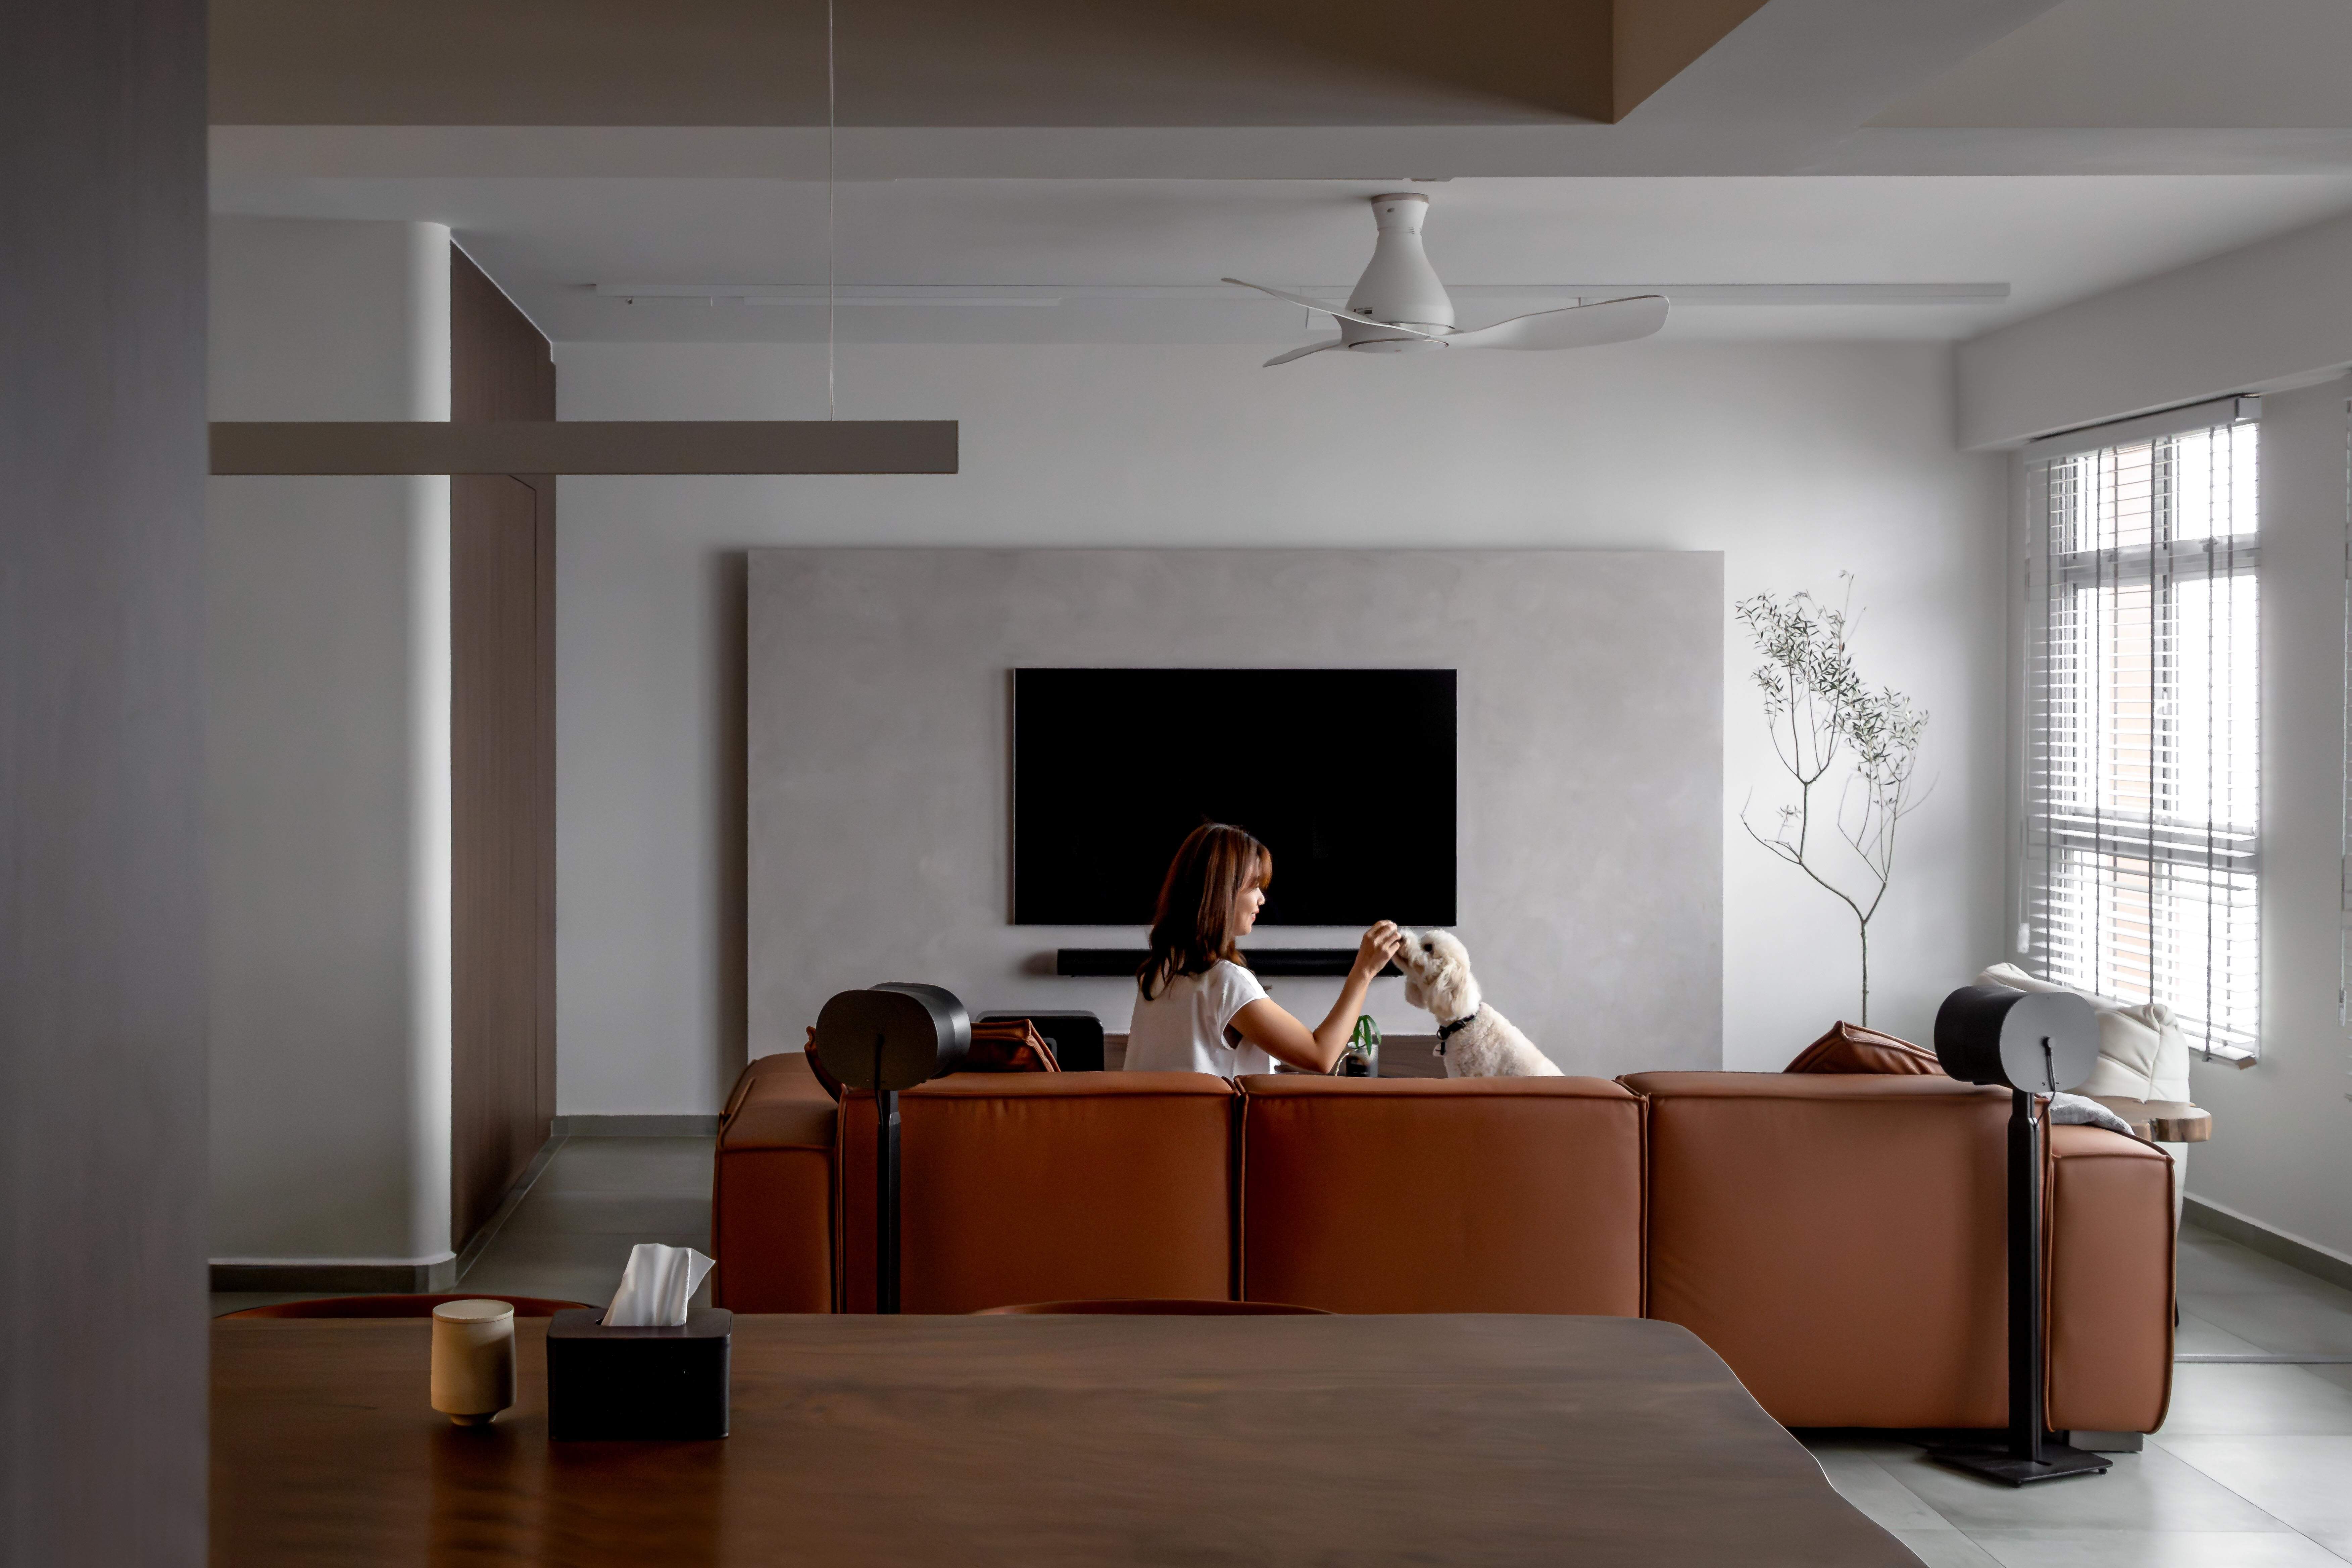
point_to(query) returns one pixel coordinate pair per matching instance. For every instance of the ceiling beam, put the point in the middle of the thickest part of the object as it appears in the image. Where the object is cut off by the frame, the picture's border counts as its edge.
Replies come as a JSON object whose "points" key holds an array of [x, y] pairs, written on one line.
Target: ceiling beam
{"points": [[1782, 87], [1651, 41], [587, 446], [261, 169], [1076, 88]]}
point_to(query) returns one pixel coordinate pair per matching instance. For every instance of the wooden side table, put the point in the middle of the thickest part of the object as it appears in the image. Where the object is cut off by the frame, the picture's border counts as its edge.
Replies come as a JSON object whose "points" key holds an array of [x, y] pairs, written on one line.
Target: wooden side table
{"points": [[2162, 1121]]}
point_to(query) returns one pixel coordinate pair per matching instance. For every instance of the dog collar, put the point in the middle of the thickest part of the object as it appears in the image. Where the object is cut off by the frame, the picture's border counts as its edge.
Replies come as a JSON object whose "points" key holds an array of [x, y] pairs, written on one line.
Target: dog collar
{"points": [[1448, 1031]]}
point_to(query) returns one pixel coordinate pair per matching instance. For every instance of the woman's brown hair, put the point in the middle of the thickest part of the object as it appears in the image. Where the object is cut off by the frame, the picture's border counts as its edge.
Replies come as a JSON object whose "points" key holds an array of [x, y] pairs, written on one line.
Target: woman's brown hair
{"points": [[1193, 926]]}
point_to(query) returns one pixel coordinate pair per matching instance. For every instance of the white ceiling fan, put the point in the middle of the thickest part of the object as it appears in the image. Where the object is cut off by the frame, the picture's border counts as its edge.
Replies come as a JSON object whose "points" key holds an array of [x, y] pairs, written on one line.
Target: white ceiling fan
{"points": [[1399, 306]]}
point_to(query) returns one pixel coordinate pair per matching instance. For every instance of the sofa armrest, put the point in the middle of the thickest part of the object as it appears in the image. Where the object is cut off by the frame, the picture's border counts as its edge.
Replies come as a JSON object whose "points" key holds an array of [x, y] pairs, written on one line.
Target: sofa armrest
{"points": [[771, 1201], [2109, 1272]]}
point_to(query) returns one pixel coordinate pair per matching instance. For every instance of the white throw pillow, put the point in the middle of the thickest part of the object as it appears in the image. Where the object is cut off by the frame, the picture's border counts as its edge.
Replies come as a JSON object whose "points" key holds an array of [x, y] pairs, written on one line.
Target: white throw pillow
{"points": [[2142, 1053]]}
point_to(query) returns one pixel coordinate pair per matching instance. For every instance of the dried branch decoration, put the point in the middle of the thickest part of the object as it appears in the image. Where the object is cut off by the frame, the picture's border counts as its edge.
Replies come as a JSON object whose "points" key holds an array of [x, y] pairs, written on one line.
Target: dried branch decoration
{"points": [[1821, 715]]}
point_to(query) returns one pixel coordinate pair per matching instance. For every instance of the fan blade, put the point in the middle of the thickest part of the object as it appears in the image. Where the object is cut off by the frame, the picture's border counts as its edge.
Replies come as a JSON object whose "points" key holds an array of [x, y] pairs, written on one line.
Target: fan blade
{"points": [[1330, 310], [1302, 354], [1576, 327]]}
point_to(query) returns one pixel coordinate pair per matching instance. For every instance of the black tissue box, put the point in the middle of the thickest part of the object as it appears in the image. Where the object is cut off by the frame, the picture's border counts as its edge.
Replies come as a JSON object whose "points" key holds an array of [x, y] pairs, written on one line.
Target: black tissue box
{"points": [[635, 1384]]}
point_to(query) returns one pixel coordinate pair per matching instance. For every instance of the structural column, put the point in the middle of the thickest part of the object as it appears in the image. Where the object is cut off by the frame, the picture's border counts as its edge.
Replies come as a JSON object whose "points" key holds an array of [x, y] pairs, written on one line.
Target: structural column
{"points": [[329, 781]]}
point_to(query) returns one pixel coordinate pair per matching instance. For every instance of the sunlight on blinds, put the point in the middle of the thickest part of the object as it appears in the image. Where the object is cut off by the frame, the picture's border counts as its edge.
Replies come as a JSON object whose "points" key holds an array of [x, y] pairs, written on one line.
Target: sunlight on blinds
{"points": [[2143, 787]]}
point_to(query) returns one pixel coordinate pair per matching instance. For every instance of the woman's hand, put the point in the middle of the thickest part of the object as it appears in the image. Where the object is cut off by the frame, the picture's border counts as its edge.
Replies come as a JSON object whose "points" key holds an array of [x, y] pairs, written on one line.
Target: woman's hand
{"points": [[1373, 953], [1264, 1023]]}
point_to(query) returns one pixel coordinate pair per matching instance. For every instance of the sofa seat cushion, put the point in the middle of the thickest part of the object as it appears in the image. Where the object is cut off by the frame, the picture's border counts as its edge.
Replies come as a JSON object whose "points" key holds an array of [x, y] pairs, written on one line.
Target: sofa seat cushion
{"points": [[1046, 1186], [1488, 1195]]}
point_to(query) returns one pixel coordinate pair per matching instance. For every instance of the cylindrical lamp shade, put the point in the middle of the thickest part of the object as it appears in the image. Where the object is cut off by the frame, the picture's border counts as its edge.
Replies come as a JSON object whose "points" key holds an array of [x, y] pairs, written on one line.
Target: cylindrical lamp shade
{"points": [[892, 1036], [2039, 1041]]}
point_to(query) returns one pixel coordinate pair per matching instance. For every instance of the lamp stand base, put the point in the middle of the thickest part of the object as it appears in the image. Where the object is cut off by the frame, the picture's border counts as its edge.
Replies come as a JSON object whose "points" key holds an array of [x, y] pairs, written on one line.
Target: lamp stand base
{"points": [[2058, 1460]]}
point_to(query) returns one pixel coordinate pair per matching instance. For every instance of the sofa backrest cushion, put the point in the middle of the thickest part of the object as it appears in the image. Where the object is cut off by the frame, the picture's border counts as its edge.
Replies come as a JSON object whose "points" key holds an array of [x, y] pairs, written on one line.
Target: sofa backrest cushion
{"points": [[1838, 1240], [1488, 1195], [1046, 1187]]}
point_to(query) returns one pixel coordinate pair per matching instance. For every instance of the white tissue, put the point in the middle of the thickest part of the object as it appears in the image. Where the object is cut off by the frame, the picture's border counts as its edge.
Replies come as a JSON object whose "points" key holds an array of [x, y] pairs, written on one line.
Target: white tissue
{"points": [[656, 1286]]}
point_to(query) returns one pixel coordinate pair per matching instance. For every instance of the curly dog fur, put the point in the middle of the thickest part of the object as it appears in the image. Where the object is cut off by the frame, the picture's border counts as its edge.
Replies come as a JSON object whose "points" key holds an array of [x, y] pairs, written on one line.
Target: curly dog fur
{"points": [[1476, 1040]]}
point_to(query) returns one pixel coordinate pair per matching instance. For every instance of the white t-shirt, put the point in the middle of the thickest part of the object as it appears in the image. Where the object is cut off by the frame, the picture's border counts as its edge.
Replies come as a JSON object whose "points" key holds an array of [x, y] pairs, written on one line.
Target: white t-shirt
{"points": [[1182, 1029]]}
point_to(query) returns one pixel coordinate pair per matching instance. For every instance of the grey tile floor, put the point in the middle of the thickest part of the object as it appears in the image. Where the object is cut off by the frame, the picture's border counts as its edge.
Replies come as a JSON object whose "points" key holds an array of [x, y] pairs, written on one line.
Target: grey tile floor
{"points": [[2252, 1469], [571, 1235]]}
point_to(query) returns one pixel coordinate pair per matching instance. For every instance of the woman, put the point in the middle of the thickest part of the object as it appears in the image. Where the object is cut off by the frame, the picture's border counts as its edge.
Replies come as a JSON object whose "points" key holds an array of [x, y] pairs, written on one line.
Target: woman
{"points": [[1200, 1010]]}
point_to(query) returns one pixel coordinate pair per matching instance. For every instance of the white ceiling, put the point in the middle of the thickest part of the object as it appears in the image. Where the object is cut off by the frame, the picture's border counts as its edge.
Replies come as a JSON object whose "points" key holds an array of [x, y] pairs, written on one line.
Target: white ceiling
{"points": [[550, 241], [2059, 150], [2151, 63]]}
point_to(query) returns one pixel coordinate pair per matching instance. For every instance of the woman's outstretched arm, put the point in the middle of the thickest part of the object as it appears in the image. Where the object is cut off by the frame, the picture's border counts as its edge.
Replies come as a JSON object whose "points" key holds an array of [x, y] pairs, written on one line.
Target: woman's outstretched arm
{"points": [[1268, 1026]]}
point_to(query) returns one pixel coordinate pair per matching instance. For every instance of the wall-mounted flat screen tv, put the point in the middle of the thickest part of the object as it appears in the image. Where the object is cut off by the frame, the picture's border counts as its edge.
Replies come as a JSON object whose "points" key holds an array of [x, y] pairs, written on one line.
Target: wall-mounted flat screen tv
{"points": [[1346, 775]]}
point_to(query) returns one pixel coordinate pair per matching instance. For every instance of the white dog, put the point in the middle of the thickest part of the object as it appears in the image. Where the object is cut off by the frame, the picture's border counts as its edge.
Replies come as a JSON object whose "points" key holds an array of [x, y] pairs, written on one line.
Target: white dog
{"points": [[1476, 1040]]}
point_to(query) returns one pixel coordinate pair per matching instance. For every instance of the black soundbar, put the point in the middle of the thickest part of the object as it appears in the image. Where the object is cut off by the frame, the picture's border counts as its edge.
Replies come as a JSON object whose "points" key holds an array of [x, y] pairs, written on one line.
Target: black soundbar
{"points": [[1273, 962]]}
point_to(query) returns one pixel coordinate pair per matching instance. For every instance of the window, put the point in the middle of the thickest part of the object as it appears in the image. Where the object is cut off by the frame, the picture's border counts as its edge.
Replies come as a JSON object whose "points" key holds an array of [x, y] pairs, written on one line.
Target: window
{"points": [[2142, 836]]}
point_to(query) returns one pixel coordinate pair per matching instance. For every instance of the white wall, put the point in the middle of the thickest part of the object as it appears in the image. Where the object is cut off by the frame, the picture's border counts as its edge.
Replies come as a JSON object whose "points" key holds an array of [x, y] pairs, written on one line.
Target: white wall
{"points": [[2269, 316], [2276, 318], [1796, 461], [2282, 1148], [328, 759]]}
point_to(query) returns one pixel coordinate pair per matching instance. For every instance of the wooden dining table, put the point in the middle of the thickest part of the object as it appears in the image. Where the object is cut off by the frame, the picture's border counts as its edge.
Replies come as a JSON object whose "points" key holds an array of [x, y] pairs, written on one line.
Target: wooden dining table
{"points": [[1044, 1440]]}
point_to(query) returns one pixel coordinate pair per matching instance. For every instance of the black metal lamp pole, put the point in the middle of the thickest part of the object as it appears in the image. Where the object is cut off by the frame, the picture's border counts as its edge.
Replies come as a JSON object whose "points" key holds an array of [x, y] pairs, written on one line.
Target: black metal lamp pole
{"points": [[1984, 1036], [2027, 1386], [2032, 1454], [885, 1200], [886, 1038]]}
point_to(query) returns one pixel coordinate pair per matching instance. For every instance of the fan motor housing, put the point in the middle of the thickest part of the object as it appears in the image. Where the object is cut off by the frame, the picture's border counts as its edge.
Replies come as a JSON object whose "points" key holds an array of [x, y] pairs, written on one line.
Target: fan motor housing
{"points": [[1400, 287]]}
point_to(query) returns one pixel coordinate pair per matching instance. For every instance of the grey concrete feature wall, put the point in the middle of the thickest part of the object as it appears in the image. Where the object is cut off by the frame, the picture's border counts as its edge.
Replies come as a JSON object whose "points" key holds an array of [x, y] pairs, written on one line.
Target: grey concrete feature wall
{"points": [[1590, 765], [327, 790], [101, 701], [1795, 460], [2282, 1148]]}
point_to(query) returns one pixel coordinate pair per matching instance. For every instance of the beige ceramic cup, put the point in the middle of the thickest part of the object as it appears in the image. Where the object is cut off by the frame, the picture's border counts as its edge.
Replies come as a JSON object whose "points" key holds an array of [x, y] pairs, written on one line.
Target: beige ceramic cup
{"points": [[473, 1359]]}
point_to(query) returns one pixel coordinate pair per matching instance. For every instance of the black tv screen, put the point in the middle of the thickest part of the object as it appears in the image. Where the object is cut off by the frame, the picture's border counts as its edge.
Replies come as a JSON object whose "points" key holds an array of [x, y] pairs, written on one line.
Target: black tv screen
{"points": [[1111, 768]]}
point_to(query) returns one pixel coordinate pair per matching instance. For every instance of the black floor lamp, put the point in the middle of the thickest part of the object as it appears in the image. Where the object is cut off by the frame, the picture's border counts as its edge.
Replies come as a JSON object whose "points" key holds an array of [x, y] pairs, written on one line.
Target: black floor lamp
{"points": [[888, 1038], [2034, 1044]]}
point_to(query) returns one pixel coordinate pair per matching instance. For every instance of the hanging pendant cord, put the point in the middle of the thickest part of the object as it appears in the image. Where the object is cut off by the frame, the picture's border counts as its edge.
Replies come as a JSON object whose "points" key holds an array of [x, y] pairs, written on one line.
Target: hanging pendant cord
{"points": [[832, 396]]}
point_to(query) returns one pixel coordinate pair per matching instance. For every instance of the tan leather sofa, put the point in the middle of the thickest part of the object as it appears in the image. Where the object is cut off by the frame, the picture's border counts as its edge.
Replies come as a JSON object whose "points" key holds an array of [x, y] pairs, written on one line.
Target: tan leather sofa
{"points": [[1842, 1242], [1838, 1240]]}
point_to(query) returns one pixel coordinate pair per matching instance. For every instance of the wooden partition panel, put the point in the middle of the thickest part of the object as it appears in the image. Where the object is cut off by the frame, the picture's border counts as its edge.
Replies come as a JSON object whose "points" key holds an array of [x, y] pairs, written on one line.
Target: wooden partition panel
{"points": [[502, 663], [103, 991], [499, 365]]}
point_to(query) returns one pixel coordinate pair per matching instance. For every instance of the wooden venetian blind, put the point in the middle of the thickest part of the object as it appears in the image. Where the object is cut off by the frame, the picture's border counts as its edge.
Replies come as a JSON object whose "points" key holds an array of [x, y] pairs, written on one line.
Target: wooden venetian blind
{"points": [[2143, 845]]}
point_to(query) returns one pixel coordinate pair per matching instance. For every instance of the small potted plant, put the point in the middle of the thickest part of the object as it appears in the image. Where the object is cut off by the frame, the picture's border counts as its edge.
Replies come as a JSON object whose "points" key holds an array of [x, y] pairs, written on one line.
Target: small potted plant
{"points": [[1363, 1056]]}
